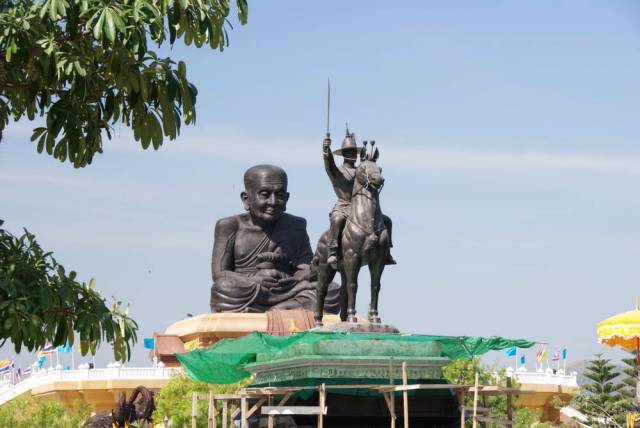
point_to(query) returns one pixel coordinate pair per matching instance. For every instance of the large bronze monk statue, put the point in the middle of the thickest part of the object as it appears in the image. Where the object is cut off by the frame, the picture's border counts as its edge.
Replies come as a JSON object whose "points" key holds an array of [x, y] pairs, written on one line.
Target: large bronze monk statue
{"points": [[261, 257]]}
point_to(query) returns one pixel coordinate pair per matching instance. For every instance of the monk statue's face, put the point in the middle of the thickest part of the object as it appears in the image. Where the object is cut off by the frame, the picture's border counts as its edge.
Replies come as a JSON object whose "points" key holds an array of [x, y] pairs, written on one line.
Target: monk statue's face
{"points": [[265, 195]]}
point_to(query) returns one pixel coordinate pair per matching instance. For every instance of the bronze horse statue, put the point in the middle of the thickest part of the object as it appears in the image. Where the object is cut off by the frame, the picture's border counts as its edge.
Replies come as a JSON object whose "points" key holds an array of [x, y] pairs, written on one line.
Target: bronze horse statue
{"points": [[364, 241]]}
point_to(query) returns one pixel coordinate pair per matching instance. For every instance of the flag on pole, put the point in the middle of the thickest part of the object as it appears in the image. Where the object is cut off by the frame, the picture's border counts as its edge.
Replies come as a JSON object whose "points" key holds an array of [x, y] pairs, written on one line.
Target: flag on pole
{"points": [[512, 351], [47, 350], [556, 356], [564, 354], [40, 361], [149, 343], [6, 366], [26, 371], [65, 349], [522, 359], [542, 353]]}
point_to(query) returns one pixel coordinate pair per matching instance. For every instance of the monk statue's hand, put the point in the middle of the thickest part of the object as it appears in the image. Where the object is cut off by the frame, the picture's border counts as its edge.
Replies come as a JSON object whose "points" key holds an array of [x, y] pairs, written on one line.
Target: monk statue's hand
{"points": [[268, 282], [267, 278]]}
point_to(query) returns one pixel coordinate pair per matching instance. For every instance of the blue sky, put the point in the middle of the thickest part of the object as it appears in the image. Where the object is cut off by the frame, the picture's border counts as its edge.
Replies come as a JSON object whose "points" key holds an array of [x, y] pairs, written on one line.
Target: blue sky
{"points": [[509, 139]]}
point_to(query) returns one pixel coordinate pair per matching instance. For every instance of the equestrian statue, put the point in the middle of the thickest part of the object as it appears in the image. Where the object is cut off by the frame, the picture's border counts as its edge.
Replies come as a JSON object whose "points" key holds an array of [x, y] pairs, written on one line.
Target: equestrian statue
{"points": [[359, 233]]}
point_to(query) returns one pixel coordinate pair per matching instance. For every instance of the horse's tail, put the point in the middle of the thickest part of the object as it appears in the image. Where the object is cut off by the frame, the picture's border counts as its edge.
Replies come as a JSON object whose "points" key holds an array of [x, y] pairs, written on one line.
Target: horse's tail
{"points": [[319, 256], [313, 268]]}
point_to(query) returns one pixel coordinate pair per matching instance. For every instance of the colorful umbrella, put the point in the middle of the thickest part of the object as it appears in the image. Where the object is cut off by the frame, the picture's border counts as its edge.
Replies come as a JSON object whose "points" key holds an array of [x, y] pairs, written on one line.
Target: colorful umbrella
{"points": [[621, 330]]}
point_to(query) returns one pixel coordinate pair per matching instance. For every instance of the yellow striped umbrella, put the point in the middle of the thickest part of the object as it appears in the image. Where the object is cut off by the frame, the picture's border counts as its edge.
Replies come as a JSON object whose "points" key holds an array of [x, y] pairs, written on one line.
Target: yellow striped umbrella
{"points": [[621, 330]]}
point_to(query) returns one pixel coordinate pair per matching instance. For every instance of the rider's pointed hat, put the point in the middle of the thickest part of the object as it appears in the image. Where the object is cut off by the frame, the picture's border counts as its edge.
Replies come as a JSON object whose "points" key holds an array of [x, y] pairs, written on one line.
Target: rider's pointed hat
{"points": [[349, 142]]}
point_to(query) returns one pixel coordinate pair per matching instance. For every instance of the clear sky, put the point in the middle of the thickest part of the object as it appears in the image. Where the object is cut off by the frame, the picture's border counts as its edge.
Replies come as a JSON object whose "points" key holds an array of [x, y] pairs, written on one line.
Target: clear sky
{"points": [[509, 139]]}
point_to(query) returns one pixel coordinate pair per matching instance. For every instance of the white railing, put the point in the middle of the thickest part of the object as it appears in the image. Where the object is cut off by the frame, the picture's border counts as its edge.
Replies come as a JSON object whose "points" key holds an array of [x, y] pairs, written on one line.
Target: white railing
{"points": [[547, 377], [9, 391]]}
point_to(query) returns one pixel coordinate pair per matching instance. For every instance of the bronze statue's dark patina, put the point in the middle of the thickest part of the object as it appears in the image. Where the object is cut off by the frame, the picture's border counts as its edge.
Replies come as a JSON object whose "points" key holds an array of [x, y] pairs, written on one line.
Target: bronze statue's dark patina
{"points": [[261, 258], [139, 408], [359, 234]]}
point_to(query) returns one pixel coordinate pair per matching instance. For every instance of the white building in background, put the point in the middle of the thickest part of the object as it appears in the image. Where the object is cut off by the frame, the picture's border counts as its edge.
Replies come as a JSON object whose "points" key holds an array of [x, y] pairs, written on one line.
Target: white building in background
{"points": [[99, 387]]}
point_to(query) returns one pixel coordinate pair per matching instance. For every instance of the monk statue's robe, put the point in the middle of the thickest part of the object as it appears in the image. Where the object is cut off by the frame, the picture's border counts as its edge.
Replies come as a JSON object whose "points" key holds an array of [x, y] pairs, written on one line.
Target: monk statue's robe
{"points": [[243, 255]]}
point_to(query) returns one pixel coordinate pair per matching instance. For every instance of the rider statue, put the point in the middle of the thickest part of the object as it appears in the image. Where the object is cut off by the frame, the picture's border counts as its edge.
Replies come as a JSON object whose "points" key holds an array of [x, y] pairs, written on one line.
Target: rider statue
{"points": [[342, 178]]}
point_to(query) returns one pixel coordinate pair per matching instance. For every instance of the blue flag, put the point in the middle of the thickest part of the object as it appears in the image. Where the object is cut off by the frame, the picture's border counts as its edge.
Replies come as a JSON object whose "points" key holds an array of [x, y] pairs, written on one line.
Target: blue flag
{"points": [[564, 354], [64, 349], [522, 359], [41, 361], [512, 351], [149, 343]]}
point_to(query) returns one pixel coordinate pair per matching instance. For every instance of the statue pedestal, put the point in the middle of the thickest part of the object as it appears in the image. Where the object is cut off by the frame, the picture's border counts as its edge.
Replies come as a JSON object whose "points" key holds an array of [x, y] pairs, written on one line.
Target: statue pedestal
{"points": [[350, 364]]}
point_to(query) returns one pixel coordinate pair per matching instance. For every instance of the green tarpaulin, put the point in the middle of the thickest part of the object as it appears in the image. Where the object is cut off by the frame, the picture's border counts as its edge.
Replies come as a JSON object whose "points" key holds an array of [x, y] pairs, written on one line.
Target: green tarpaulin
{"points": [[224, 362]]}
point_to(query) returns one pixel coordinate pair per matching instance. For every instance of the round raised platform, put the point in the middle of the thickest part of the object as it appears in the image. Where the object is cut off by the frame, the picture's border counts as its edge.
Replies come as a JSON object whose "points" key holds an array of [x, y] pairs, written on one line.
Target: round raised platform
{"points": [[211, 327]]}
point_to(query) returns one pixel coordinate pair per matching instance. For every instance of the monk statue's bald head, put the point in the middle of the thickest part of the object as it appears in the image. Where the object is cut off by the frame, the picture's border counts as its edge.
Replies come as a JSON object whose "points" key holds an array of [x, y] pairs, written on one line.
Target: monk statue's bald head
{"points": [[265, 193], [270, 173]]}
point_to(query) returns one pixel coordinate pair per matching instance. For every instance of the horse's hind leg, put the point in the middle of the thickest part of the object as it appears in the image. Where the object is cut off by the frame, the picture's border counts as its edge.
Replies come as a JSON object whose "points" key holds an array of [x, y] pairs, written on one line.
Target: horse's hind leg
{"points": [[375, 269], [325, 275]]}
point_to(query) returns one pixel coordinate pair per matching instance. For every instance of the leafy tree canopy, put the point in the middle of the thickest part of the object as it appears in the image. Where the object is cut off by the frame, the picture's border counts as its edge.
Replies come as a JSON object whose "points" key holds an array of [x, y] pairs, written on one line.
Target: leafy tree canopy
{"points": [[630, 377], [40, 302], [86, 65], [29, 412]]}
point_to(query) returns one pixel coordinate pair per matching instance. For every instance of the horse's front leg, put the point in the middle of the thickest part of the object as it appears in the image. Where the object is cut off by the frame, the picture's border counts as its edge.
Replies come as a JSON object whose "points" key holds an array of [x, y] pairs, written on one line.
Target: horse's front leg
{"points": [[375, 269], [351, 262], [343, 296]]}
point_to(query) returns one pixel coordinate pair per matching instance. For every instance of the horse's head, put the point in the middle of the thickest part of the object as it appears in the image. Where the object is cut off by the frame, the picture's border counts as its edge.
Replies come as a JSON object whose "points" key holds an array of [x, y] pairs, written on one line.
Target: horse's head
{"points": [[368, 173]]}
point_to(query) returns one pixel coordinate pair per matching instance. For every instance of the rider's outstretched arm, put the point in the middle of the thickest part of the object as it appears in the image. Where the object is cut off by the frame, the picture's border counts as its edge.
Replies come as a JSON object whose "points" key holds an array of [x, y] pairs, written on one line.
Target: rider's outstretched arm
{"points": [[329, 162]]}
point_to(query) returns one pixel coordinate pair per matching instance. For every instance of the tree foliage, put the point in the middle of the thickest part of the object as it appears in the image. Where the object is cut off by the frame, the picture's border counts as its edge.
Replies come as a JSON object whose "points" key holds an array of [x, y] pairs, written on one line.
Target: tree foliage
{"points": [[40, 302], [174, 400], [86, 65], [29, 412], [601, 400], [630, 377]]}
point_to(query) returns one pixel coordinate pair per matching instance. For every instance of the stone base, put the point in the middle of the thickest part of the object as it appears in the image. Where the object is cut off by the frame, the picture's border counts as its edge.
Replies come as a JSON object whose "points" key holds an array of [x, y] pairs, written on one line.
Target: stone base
{"points": [[349, 361], [350, 327]]}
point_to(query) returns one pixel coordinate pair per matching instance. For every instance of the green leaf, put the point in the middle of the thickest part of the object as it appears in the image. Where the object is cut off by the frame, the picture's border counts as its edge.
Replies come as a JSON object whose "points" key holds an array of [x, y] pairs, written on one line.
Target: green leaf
{"points": [[37, 132], [44, 8], [49, 143], [41, 142], [62, 11], [110, 27], [243, 11], [156, 131], [97, 28], [53, 9], [79, 69]]}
